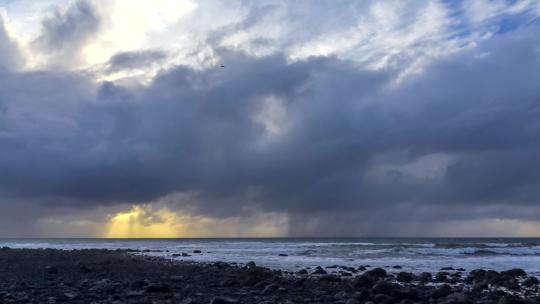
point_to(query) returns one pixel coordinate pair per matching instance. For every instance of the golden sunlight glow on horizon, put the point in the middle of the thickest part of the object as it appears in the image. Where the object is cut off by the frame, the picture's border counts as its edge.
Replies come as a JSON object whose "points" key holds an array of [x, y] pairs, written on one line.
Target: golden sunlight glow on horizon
{"points": [[135, 223], [144, 221]]}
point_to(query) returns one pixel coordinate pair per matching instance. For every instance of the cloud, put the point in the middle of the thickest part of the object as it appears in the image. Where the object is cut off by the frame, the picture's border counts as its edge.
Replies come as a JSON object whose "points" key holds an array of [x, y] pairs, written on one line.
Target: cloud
{"points": [[134, 60], [350, 142], [67, 30], [329, 143], [11, 57]]}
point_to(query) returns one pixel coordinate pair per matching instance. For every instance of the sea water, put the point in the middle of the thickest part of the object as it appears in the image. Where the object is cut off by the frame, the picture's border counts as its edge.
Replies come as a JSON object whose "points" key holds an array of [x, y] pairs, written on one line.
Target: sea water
{"points": [[412, 254]]}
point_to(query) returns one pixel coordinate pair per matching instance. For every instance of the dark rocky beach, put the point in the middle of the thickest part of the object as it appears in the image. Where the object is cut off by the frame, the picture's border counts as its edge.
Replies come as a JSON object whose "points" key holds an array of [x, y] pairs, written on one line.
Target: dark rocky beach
{"points": [[122, 276]]}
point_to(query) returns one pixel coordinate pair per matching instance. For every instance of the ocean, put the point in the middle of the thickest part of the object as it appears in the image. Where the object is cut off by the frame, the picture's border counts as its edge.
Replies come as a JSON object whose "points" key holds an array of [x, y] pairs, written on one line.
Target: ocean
{"points": [[412, 254]]}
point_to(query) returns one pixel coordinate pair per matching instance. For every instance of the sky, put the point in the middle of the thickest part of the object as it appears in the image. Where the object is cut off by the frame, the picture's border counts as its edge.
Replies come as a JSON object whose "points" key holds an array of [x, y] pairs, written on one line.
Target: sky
{"points": [[237, 118]]}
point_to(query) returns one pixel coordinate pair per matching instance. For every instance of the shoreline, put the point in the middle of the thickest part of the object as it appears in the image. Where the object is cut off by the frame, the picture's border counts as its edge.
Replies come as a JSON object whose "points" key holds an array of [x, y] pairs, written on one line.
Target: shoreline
{"points": [[293, 255], [119, 276]]}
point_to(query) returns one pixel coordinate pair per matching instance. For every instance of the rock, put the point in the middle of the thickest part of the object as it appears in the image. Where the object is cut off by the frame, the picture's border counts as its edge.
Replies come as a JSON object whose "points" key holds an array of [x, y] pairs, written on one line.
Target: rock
{"points": [[251, 264], [319, 292], [319, 270], [133, 294], [85, 268], [376, 273], [50, 270], [197, 251], [406, 293], [270, 288], [340, 295], [156, 288], [103, 285], [383, 299], [121, 277], [510, 283], [456, 275], [458, 298], [361, 295], [441, 292], [475, 275], [447, 268], [511, 300], [362, 268], [71, 295], [404, 277], [383, 287], [227, 282], [530, 281], [221, 264], [350, 269], [424, 277], [331, 266], [480, 285], [515, 272], [397, 267], [329, 278], [492, 276], [441, 277], [302, 272], [222, 300], [363, 281], [176, 278], [283, 255], [185, 254], [139, 284]]}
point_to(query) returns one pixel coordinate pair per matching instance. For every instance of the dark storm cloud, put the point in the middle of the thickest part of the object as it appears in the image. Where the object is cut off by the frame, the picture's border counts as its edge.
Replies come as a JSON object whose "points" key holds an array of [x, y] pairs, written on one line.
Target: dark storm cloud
{"points": [[134, 60], [352, 149], [65, 32]]}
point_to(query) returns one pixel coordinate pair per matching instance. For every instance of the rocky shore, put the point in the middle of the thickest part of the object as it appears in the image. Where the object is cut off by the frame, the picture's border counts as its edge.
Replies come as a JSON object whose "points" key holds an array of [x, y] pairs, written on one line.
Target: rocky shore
{"points": [[101, 276]]}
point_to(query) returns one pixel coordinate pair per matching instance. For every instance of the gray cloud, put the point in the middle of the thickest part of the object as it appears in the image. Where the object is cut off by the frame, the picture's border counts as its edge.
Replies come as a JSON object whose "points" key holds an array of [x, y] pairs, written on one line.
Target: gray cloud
{"points": [[134, 60], [354, 148], [64, 33], [9, 49]]}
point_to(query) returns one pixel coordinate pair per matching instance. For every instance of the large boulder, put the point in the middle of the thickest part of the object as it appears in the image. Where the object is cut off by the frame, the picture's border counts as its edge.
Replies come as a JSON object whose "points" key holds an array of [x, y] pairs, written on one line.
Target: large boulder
{"points": [[383, 299], [441, 277], [404, 277], [405, 293], [458, 298], [515, 272], [424, 277], [441, 291], [530, 282], [363, 281], [378, 273], [384, 287], [319, 270]]}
